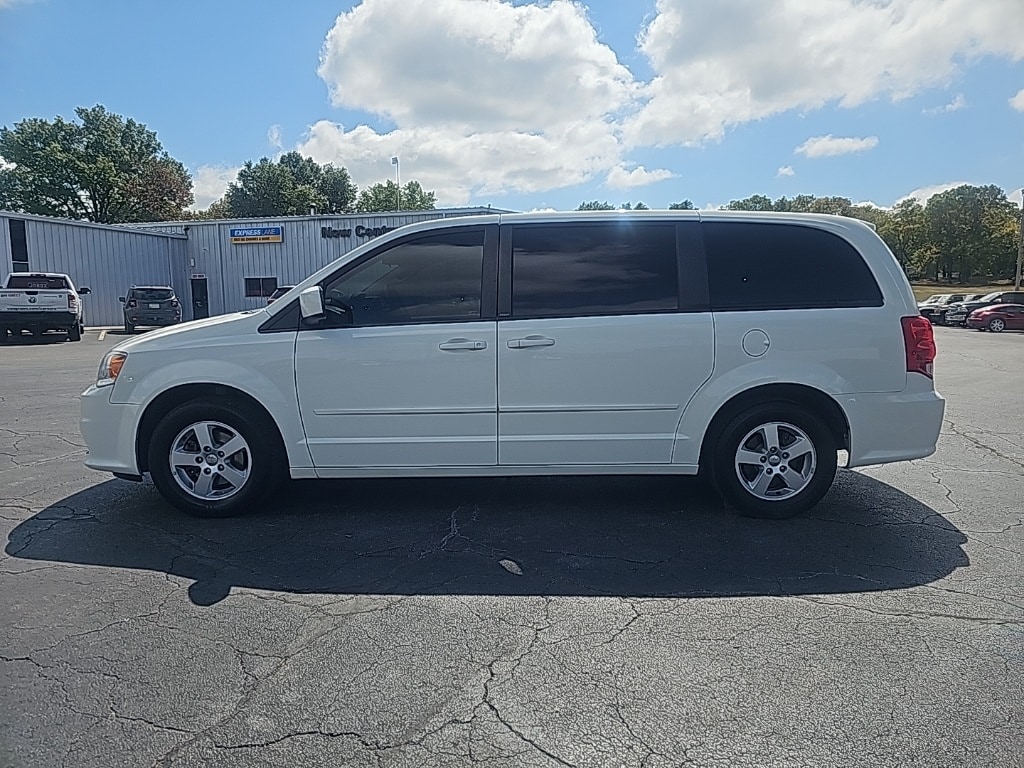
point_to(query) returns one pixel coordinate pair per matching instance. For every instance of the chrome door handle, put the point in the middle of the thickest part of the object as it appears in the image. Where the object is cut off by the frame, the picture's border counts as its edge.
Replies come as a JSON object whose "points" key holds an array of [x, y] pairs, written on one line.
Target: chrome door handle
{"points": [[531, 341], [453, 345]]}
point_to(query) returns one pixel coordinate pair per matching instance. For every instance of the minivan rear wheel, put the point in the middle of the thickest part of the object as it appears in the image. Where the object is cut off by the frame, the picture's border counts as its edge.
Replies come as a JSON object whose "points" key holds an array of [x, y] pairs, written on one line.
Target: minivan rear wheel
{"points": [[774, 460], [212, 459]]}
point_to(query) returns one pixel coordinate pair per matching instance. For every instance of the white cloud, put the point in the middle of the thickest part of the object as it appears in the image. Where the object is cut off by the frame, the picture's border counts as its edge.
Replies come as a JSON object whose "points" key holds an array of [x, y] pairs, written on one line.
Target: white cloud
{"points": [[786, 170], [4, 165], [1016, 197], [456, 166], [485, 97], [1017, 102], [733, 61], [209, 184], [479, 64], [923, 193], [958, 103], [621, 178], [274, 137], [829, 146]]}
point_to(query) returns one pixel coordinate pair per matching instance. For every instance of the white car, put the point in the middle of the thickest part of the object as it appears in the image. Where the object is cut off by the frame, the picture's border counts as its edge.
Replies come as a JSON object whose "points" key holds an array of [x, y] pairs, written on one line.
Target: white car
{"points": [[749, 347], [41, 301]]}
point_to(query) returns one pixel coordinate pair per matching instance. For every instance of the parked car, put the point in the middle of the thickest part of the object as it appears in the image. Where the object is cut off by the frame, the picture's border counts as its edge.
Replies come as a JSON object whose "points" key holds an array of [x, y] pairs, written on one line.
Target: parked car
{"points": [[41, 301], [278, 293], [997, 318], [747, 347], [936, 310], [153, 306], [956, 314]]}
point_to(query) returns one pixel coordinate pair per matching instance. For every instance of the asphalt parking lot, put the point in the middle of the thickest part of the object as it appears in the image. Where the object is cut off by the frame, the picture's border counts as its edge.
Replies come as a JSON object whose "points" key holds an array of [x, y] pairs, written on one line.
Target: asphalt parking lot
{"points": [[550, 622]]}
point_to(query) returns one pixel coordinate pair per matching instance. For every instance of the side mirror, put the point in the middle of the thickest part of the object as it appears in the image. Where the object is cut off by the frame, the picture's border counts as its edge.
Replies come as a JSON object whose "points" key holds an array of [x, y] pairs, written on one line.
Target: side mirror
{"points": [[311, 304], [84, 291], [121, 299]]}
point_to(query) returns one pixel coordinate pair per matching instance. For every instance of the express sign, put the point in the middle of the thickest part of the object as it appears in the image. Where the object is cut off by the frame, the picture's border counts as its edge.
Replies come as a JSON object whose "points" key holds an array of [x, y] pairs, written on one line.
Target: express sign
{"points": [[257, 234]]}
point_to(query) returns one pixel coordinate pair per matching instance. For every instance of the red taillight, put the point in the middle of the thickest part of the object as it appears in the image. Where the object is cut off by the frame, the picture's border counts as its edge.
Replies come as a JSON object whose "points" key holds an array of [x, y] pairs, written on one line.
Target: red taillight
{"points": [[133, 303], [174, 303], [919, 341], [72, 301]]}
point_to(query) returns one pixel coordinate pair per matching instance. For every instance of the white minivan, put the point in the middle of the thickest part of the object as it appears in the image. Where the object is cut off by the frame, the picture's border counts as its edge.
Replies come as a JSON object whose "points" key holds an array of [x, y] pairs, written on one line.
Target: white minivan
{"points": [[751, 348]]}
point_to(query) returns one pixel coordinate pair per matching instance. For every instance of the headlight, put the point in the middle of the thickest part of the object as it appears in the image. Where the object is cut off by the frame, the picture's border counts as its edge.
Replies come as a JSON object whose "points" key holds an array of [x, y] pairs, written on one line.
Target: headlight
{"points": [[110, 368]]}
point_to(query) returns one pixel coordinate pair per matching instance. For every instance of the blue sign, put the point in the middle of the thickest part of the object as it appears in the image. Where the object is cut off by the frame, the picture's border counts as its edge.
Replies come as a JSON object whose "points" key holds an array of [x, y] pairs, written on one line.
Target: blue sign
{"points": [[257, 234]]}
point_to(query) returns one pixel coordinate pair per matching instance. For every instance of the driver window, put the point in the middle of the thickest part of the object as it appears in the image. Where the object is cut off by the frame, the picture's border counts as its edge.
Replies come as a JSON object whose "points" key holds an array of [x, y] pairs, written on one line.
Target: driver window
{"points": [[432, 279]]}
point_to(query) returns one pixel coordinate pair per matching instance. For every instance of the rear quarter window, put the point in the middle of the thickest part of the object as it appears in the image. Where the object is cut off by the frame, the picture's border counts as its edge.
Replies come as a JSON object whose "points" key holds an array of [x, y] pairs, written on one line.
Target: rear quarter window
{"points": [[763, 266]]}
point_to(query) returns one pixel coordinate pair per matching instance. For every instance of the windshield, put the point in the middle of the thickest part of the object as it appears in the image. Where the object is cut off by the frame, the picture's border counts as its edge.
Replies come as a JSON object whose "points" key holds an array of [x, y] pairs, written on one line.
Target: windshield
{"points": [[991, 296], [152, 294], [30, 282]]}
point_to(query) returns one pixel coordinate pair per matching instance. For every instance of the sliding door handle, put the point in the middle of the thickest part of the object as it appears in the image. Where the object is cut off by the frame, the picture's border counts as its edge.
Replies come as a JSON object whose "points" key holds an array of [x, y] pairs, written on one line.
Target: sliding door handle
{"points": [[453, 345]]}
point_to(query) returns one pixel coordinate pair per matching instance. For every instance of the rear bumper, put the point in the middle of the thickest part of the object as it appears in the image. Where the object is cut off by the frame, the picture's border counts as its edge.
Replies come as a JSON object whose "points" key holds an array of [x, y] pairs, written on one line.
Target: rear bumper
{"points": [[40, 318], [894, 427], [109, 432], [152, 318]]}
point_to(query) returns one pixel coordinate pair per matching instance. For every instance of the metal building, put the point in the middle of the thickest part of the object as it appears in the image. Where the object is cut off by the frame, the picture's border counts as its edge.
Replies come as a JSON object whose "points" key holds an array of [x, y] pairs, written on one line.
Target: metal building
{"points": [[214, 266]]}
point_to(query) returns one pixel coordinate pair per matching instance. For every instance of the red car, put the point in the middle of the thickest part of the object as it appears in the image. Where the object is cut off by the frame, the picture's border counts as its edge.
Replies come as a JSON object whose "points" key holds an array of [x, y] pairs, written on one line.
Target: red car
{"points": [[997, 318]]}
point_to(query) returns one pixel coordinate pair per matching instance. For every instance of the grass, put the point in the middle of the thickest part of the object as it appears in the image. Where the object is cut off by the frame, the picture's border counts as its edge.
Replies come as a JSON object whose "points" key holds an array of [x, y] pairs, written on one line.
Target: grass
{"points": [[922, 292]]}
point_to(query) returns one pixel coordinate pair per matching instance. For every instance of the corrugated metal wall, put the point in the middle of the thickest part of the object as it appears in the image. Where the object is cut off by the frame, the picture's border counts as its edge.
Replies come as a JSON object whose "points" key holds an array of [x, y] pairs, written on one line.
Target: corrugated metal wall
{"points": [[106, 259]]}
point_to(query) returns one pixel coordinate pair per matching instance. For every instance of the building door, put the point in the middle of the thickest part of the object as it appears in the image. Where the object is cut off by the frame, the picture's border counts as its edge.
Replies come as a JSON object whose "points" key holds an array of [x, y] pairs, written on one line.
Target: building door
{"points": [[200, 299]]}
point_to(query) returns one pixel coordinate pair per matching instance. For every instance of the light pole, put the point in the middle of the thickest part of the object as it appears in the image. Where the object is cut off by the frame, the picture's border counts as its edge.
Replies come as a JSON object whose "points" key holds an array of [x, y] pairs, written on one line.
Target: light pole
{"points": [[398, 182], [1020, 244]]}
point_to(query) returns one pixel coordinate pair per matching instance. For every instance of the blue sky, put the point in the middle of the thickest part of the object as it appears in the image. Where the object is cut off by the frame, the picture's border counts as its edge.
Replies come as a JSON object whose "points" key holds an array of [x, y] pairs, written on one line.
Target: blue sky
{"points": [[530, 105]]}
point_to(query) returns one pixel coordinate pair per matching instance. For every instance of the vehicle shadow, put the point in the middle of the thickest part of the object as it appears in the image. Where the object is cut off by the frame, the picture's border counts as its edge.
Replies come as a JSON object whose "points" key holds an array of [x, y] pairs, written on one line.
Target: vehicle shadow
{"points": [[620, 536], [24, 340]]}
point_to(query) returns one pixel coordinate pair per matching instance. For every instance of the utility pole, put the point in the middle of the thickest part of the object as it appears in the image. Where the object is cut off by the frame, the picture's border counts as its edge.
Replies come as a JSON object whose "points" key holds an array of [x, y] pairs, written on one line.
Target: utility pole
{"points": [[1020, 243], [398, 182]]}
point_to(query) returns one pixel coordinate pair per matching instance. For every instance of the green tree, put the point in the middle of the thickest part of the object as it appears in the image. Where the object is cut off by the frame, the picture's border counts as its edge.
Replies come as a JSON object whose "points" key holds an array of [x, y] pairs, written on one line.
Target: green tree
{"points": [[752, 203], [384, 197], [595, 205], [292, 185], [904, 232], [685, 205], [102, 168], [972, 231]]}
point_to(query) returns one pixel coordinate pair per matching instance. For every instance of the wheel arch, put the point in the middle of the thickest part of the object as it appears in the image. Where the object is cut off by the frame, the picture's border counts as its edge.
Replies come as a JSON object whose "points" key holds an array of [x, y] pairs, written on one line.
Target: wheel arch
{"points": [[170, 399], [814, 400]]}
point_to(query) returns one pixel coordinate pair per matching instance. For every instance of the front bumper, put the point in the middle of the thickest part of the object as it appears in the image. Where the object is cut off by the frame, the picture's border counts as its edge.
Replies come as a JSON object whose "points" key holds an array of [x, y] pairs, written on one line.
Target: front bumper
{"points": [[975, 322], [109, 432]]}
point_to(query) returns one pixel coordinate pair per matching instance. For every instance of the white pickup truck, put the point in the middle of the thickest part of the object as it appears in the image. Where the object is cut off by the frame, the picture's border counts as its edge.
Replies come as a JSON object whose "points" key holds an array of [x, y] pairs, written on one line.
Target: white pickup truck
{"points": [[41, 301]]}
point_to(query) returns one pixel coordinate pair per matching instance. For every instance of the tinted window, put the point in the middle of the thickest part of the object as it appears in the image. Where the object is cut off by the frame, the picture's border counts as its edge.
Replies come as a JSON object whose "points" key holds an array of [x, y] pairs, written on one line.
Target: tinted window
{"points": [[152, 294], [784, 266], [32, 282], [593, 269], [433, 279]]}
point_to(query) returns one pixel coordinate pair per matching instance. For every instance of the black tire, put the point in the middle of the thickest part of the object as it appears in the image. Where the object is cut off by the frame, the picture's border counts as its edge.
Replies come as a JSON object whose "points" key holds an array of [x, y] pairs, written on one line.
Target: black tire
{"points": [[75, 333], [996, 325], [778, 501], [128, 327], [266, 463]]}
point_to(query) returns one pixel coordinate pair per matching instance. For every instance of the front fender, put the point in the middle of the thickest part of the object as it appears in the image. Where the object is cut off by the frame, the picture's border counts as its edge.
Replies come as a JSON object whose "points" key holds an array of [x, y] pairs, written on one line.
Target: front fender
{"points": [[268, 378]]}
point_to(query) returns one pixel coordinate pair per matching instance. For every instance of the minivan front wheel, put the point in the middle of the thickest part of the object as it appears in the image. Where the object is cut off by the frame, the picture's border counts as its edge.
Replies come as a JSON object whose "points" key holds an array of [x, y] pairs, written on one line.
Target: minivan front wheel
{"points": [[212, 460], [774, 461]]}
